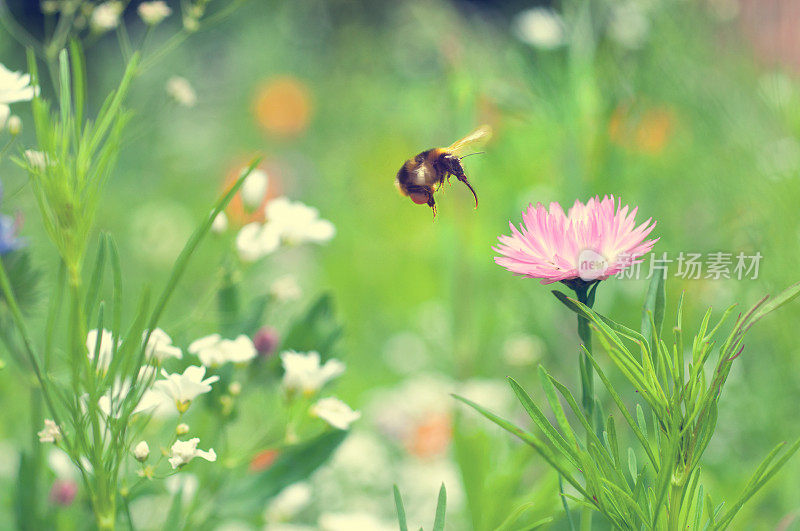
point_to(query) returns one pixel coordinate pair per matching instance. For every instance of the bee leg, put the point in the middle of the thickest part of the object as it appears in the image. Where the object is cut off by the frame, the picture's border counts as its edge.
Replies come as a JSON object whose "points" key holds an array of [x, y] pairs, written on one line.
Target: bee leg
{"points": [[420, 195]]}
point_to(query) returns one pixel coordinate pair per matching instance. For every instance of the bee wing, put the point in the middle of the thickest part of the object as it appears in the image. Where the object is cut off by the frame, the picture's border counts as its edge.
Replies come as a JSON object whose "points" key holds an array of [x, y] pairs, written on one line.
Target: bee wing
{"points": [[480, 134]]}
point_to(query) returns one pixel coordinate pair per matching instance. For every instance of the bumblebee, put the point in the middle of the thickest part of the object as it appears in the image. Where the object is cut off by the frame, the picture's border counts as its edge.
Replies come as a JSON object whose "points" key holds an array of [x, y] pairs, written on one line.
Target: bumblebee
{"points": [[421, 176]]}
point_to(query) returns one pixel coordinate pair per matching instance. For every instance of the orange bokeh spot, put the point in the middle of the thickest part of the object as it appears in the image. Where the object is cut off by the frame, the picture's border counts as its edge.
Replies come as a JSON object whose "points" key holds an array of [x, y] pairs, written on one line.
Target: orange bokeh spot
{"points": [[648, 130], [283, 106], [263, 460], [238, 213], [431, 437]]}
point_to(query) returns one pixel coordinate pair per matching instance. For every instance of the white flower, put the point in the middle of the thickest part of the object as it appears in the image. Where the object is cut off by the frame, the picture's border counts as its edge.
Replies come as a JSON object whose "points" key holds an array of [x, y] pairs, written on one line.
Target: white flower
{"points": [[181, 91], [36, 159], [290, 222], [335, 412], [288, 503], [51, 432], [540, 27], [5, 112], [220, 223], [15, 86], [106, 16], [183, 388], [298, 223], [213, 350], [303, 372], [160, 346], [629, 25], [286, 289], [254, 187], [182, 429], [154, 13], [184, 451], [255, 241], [141, 451], [104, 350]]}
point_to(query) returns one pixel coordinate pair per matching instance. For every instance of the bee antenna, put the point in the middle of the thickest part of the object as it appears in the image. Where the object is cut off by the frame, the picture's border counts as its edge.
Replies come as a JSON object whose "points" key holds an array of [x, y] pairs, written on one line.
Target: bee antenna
{"points": [[470, 154]]}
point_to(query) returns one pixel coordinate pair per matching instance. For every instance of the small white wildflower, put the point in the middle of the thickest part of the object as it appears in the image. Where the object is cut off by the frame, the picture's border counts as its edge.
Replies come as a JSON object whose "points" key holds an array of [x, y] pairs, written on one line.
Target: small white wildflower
{"points": [[540, 27], [153, 13], [160, 346], [141, 451], [191, 23], [182, 429], [256, 241], [303, 372], [335, 412], [286, 289], [5, 112], [297, 223], [184, 451], [183, 388], [106, 16], [14, 125], [181, 91], [220, 223], [15, 86], [213, 350], [51, 432], [254, 188], [36, 159], [104, 350]]}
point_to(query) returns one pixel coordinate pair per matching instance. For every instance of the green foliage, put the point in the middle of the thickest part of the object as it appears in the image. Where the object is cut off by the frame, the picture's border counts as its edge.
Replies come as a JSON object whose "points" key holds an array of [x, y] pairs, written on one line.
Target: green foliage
{"points": [[660, 493], [441, 509], [294, 463], [316, 330]]}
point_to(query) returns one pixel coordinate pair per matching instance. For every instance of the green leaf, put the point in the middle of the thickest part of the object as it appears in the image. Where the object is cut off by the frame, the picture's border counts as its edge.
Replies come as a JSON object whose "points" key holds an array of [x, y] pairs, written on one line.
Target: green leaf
{"points": [[294, 463], [441, 509], [634, 470], [401, 512], [317, 330], [541, 420], [529, 439], [654, 304], [26, 496], [784, 297], [640, 419], [761, 476], [555, 405]]}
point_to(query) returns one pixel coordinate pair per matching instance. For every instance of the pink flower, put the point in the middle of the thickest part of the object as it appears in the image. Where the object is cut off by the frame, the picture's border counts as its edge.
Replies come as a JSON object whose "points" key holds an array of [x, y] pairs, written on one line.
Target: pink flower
{"points": [[591, 242]]}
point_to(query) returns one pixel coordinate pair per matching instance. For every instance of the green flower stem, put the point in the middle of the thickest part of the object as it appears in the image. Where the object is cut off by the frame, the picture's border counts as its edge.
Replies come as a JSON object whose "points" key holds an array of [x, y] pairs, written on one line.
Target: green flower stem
{"points": [[584, 291], [587, 372]]}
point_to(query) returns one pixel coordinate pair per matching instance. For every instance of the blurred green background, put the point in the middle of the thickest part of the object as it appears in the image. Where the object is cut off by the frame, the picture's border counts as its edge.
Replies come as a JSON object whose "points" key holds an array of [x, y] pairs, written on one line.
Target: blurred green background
{"points": [[679, 109]]}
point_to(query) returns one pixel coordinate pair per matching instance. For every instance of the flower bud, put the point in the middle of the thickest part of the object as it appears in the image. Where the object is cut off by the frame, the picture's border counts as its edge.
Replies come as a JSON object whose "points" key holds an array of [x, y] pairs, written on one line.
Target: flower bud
{"points": [[141, 451], [14, 125], [182, 429], [63, 492], [154, 13], [235, 388], [266, 341]]}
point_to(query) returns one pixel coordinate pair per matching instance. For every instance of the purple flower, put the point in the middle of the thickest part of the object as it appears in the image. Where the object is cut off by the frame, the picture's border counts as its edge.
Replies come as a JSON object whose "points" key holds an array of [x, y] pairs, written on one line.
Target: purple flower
{"points": [[8, 234]]}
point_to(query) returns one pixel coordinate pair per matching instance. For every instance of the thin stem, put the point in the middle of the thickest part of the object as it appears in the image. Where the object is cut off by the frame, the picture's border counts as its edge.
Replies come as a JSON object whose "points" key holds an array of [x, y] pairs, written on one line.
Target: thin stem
{"points": [[587, 377]]}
